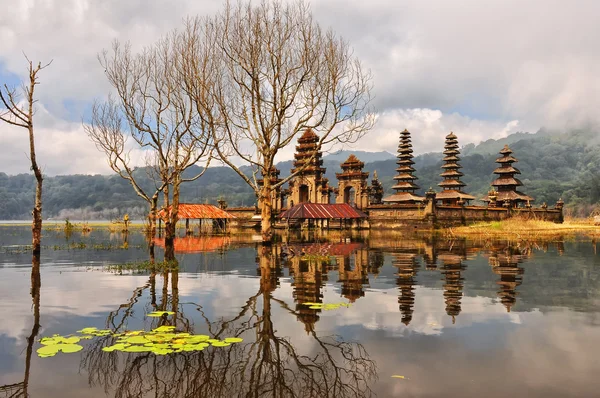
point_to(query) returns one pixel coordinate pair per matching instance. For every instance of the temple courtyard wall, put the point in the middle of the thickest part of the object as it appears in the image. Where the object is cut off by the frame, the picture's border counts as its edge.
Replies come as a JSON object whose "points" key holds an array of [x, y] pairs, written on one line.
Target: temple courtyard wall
{"points": [[421, 216], [407, 216]]}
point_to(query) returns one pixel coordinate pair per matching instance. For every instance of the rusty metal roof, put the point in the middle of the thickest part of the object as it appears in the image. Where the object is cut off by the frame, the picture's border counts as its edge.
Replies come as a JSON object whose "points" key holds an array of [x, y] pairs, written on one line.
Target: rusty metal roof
{"points": [[322, 211], [197, 211]]}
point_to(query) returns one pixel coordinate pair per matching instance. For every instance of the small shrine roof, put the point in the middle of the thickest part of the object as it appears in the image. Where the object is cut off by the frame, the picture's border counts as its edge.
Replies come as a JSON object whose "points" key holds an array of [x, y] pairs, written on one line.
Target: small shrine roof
{"points": [[403, 197], [454, 194]]}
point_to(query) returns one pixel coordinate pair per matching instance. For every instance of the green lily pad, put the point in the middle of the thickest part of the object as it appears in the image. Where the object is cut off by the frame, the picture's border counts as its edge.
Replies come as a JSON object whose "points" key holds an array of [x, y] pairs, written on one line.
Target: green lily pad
{"points": [[161, 329], [162, 351], [160, 313], [47, 351], [137, 348], [233, 340], [51, 350], [70, 348], [115, 347], [198, 338], [88, 330], [220, 344], [137, 340]]}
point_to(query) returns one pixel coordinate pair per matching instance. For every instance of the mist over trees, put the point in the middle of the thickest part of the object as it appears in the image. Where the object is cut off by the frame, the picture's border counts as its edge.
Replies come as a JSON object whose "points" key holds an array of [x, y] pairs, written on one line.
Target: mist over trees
{"points": [[553, 165]]}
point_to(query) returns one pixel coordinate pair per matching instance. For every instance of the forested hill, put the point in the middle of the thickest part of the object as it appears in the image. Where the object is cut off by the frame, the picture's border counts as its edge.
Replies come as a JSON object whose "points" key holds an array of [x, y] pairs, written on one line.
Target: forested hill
{"points": [[553, 165]]}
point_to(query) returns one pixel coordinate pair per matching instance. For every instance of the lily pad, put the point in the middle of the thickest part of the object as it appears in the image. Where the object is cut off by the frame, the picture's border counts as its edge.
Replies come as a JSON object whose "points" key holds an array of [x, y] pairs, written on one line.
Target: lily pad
{"points": [[51, 350], [137, 340], [220, 344], [115, 347], [161, 329], [160, 313], [233, 340], [70, 348], [137, 348]]}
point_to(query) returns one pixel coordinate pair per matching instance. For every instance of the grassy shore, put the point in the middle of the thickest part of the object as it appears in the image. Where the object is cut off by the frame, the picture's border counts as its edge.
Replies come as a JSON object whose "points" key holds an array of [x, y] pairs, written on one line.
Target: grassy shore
{"points": [[519, 228]]}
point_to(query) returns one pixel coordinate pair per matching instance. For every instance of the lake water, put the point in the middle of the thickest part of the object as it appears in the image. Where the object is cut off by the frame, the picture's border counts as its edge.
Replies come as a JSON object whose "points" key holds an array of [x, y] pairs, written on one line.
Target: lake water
{"points": [[454, 318]]}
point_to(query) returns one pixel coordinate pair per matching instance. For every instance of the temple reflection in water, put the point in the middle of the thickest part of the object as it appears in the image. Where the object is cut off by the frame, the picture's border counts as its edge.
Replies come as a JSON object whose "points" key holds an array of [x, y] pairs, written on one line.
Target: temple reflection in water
{"points": [[352, 266]]}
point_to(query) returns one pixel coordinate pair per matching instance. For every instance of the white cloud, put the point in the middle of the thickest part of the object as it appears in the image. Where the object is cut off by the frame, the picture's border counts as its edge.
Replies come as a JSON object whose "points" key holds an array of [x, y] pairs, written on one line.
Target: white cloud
{"points": [[481, 69]]}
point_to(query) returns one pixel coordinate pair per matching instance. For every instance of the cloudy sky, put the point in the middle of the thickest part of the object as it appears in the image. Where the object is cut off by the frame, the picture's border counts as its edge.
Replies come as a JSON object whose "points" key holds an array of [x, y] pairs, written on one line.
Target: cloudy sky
{"points": [[483, 69]]}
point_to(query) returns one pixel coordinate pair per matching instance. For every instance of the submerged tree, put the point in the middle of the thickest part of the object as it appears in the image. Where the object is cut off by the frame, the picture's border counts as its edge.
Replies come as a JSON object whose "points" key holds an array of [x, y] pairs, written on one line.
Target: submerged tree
{"points": [[274, 73], [160, 118], [21, 115]]}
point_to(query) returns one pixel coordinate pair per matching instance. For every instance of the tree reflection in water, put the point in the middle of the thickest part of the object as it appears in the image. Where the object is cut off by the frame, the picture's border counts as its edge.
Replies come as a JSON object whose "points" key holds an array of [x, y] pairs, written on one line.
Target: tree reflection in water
{"points": [[21, 389], [267, 365]]}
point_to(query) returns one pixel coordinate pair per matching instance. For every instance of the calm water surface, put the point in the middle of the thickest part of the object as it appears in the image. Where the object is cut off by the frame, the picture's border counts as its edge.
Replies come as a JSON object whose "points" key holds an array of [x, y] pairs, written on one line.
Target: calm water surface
{"points": [[456, 318]]}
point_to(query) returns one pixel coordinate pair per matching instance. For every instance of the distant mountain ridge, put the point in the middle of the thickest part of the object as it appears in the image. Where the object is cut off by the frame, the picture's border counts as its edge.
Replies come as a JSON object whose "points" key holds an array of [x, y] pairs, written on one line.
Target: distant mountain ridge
{"points": [[553, 165]]}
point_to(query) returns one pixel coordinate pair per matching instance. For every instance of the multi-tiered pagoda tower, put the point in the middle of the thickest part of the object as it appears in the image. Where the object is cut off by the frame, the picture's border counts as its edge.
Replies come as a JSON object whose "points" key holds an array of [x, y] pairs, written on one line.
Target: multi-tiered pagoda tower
{"points": [[406, 281], [452, 193], [405, 186], [310, 184], [506, 184]]}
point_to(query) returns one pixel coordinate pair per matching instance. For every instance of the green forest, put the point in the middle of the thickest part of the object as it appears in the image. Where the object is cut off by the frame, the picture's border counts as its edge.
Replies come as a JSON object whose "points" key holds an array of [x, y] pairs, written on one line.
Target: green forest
{"points": [[553, 165]]}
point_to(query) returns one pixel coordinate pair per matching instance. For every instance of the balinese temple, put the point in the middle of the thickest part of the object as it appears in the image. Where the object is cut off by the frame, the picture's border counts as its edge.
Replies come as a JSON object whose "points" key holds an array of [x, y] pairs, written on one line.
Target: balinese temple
{"points": [[309, 276], [310, 185], [405, 187], [452, 186], [506, 184], [352, 183], [407, 271], [375, 190], [506, 265], [453, 283], [354, 278], [276, 194], [375, 262]]}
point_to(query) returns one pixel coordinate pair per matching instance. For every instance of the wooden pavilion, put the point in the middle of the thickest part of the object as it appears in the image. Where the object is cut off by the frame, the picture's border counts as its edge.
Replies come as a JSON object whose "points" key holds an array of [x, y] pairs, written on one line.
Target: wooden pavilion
{"points": [[338, 215], [216, 217]]}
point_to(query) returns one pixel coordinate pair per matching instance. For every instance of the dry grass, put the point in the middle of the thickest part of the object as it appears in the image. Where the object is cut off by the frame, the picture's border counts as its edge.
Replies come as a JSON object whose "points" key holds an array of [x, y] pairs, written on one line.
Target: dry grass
{"points": [[527, 229]]}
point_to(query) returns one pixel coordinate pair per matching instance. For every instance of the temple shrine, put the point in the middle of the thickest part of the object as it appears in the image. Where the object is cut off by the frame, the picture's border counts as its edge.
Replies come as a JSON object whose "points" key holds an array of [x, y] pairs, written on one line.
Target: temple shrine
{"points": [[311, 200]]}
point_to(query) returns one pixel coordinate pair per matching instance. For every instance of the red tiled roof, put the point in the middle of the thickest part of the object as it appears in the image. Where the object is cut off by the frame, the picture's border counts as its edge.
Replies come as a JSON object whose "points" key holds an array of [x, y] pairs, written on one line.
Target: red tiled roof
{"points": [[322, 211], [197, 211]]}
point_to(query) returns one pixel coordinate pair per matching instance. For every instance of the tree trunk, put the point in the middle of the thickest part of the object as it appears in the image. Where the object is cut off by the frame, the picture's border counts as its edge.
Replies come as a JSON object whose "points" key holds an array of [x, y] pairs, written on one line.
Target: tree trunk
{"points": [[36, 227], [171, 223], [175, 295], [35, 295], [264, 202], [152, 226]]}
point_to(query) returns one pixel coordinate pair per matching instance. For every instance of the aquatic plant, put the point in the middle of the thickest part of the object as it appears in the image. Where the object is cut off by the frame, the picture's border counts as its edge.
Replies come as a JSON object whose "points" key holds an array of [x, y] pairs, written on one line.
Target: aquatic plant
{"points": [[143, 266], [160, 341], [326, 307]]}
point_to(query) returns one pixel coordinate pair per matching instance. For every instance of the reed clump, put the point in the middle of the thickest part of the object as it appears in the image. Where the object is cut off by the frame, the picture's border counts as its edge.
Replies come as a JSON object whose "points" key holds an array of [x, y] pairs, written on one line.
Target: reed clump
{"points": [[527, 228]]}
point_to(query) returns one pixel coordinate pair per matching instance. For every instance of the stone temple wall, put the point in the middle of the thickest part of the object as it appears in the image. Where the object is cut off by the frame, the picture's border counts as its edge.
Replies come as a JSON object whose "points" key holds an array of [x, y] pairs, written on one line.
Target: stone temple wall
{"points": [[421, 216]]}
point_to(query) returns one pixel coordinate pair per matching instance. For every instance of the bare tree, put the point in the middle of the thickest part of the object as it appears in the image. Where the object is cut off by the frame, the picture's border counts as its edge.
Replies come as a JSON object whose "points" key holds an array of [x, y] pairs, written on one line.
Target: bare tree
{"points": [[273, 73], [161, 119], [106, 131], [21, 114]]}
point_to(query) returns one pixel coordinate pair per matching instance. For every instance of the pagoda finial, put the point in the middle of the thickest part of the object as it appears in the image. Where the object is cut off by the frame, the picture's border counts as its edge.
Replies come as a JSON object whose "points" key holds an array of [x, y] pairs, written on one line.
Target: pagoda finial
{"points": [[375, 175]]}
